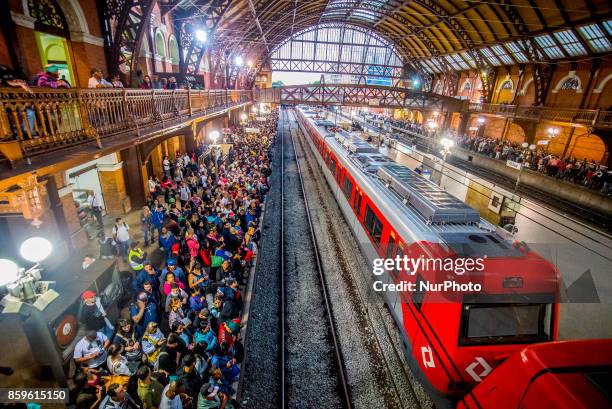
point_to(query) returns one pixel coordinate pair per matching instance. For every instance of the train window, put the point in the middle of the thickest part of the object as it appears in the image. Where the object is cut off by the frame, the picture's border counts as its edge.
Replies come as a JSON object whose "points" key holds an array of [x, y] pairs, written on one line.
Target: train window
{"points": [[332, 166], [358, 198], [372, 224], [390, 246], [347, 187], [505, 323], [417, 294]]}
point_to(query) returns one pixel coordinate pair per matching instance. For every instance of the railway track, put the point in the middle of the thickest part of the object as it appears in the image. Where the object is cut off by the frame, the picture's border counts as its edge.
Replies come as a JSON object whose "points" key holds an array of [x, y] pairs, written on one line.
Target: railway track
{"points": [[398, 388], [311, 362]]}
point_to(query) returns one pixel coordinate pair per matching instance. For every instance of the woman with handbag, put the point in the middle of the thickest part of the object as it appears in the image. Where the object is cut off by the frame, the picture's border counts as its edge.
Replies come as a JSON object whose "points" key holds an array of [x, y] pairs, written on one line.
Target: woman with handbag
{"points": [[126, 337]]}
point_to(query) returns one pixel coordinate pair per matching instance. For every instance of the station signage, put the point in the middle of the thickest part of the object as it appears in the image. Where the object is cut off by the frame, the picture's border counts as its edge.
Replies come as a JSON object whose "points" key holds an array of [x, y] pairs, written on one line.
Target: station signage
{"points": [[543, 142], [252, 130], [514, 165]]}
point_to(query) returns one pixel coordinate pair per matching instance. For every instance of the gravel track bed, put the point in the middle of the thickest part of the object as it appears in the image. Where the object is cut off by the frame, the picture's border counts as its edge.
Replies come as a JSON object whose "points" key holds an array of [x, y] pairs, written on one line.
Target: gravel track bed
{"points": [[310, 364], [261, 371], [311, 377], [377, 371]]}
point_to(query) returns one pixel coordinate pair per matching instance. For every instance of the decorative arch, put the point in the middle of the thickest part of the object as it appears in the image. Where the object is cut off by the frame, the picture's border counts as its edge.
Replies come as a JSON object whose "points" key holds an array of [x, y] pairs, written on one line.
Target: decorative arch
{"points": [[467, 86], [572, 79], [507, 85], [75, 17], [173, 49], [602, 84], [160, 43]]}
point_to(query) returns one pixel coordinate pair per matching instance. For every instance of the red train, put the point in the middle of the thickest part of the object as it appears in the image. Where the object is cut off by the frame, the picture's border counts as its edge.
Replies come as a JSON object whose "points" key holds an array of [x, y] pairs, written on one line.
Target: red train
{"points": [[453, 340]]}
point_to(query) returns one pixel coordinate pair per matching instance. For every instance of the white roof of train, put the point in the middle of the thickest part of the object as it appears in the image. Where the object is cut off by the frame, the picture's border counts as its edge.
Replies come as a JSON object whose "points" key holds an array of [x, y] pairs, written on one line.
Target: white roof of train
{"points": [[414, 218]]}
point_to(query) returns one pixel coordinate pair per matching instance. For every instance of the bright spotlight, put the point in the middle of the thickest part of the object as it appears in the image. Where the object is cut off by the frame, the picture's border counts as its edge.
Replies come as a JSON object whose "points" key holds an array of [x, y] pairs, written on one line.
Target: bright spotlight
{"points": [[447, 143], [214, 135], [35, 249], [415, 82], [250, 63], [238, 61], [201, 36], [8, 271], [243, 117]]}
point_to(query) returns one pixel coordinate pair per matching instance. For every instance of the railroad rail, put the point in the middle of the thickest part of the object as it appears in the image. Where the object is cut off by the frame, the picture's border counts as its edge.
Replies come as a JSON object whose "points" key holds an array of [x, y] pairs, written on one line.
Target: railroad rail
{"points": [[342, 384], [384, 332]]}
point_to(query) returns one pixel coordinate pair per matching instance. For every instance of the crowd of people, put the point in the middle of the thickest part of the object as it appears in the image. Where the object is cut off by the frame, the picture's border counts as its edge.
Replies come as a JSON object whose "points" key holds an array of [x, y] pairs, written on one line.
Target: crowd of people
{"points": [[178, 344], [590, 174], [593, 175]]}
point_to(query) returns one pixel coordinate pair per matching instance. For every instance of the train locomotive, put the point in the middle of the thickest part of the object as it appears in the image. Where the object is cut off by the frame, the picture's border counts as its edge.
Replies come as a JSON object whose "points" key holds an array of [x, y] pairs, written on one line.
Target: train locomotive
{"points": [[453, 339]]}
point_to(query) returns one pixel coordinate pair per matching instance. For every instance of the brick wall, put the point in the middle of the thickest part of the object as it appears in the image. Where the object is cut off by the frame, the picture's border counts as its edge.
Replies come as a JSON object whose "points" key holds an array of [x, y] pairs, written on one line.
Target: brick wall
{"points": [[113, 189]]}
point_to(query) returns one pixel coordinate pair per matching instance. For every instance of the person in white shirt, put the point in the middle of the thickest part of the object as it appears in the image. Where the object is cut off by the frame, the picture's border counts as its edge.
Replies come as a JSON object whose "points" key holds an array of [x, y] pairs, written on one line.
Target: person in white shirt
{"points": [[95, 204], [90, 351], [166, 165], [121, 234], [97, 80], [171, 399]]}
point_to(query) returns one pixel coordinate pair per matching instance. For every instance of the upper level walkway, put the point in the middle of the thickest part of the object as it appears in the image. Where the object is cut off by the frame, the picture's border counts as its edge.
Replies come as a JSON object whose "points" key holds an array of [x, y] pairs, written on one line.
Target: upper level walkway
{"points": [[47, 125], [392, 97]]}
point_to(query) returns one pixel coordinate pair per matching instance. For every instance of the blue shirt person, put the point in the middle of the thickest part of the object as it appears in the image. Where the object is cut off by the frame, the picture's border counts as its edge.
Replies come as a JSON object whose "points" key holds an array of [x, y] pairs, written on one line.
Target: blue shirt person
{"points": [[143, 311]]}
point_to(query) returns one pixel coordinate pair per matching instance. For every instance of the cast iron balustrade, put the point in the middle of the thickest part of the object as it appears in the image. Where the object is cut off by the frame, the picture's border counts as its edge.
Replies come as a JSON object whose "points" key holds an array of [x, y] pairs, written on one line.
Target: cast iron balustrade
{"points": [[587, 117], [48, 120]]}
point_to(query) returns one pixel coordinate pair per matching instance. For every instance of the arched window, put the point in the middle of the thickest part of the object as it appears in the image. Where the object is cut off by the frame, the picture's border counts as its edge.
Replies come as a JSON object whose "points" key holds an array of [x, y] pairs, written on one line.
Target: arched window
{"points": [[173, 50], [160, 44], [507, 85], [571, 84], [334, 48], [467, 86], [438, 88]]}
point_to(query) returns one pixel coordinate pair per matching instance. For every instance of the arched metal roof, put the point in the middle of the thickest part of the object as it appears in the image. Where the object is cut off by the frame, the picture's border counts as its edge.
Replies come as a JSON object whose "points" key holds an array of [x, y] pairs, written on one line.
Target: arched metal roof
{"points": [[427, 28]]}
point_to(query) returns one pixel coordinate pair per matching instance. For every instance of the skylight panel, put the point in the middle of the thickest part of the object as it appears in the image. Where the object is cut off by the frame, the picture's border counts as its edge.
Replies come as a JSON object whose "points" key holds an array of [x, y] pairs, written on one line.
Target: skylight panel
{"points": [[516, 52], [452, 62], [596, 38], [608, 26], [488, 54], [570, 42], [426, 67], [548, 46], [501, 53], [460, 61], [434, 66], [468, 58]]}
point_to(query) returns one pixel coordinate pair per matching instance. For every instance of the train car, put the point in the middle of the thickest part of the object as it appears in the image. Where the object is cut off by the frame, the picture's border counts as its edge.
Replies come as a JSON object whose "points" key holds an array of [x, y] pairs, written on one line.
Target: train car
{"points": [[560, 375], [453, 339]]}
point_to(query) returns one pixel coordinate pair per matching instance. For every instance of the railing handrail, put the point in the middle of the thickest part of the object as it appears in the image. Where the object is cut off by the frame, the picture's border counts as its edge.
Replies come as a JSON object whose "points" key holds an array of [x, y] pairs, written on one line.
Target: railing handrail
{"points": [[47, 119], [586, 116]]}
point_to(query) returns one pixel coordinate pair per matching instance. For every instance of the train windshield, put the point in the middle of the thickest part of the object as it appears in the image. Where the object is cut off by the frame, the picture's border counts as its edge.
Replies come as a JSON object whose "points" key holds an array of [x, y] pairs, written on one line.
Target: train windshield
{"points": [[505, 323]]}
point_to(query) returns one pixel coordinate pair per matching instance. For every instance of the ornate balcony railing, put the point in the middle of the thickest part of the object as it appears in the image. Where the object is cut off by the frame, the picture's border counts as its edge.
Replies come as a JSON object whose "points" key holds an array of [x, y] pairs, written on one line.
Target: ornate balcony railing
{"points": [[47, 120], [587, 117]]}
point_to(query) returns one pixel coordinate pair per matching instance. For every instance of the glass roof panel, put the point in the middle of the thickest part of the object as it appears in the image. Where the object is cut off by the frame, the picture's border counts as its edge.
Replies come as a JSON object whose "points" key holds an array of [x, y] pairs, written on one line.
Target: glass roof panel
{"points": [[469, 59], [516, 51], [596, 38], [488, 54], [501, 53], [570, 42], [548, 46]]}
